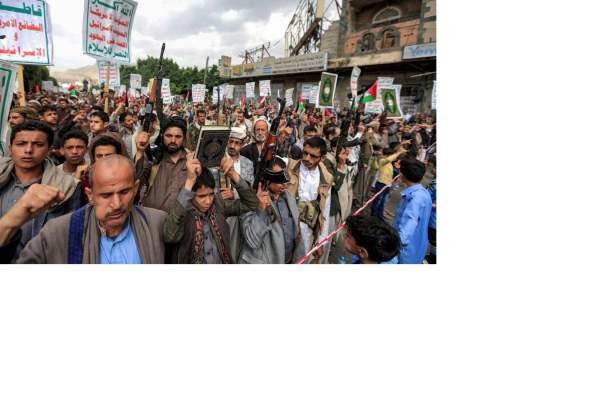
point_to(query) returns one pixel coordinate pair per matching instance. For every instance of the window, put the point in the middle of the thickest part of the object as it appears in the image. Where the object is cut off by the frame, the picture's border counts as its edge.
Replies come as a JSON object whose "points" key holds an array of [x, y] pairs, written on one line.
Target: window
{"points": [[387, 14], [368, 42], [389, 39]]}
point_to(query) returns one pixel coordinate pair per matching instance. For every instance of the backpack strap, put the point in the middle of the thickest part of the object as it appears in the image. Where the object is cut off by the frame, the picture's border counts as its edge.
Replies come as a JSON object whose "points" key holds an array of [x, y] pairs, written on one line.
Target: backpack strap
{"points": [[76, 225]]}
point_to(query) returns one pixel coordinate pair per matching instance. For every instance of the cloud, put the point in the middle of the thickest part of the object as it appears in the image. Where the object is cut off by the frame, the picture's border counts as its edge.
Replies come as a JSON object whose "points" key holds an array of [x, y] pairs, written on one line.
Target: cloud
{"points": [[192, 29]]}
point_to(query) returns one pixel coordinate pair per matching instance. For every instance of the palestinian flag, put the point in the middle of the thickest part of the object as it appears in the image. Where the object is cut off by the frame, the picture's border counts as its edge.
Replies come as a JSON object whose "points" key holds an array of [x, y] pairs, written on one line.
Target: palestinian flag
{"points": [[300, 108], [371, 94]]}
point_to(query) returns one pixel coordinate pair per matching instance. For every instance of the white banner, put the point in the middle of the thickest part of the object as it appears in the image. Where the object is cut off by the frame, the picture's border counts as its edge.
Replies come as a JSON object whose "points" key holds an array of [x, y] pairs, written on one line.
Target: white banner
{"points": [[314, 94], [198, 93], [289, 97], [115, 77], [47, 86], [107, 29], [28, 32], [8, 75], [215, 95], [165, 89], [144, 91], [265, 88], [354, 81], [229, 91], [434, 96], [135, 81], [306, 91], [250, 87]]}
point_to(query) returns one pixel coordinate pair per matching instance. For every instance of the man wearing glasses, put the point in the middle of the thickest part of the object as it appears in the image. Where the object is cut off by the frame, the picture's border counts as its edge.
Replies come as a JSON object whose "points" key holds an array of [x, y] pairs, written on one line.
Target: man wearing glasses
{"points": [[310, 184]]}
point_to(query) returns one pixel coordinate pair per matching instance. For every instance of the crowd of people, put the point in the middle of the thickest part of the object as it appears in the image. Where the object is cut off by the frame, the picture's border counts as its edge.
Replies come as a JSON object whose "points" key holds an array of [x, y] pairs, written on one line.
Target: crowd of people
{"points": [[82, 181]]}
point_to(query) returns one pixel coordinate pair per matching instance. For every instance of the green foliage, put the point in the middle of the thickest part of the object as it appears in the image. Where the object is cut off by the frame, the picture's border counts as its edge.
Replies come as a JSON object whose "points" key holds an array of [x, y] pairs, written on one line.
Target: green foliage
{"points": [[35, 74], [181, 78]]}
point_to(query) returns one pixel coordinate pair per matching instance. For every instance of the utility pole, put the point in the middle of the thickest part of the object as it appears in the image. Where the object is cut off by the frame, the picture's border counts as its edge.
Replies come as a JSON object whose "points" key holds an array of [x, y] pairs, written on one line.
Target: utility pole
{"points": [[206, 71]]}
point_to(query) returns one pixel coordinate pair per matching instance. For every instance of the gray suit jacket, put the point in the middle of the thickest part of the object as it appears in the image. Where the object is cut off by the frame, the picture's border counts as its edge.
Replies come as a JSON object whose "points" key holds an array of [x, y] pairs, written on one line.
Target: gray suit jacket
{"points": [[263, 236]]}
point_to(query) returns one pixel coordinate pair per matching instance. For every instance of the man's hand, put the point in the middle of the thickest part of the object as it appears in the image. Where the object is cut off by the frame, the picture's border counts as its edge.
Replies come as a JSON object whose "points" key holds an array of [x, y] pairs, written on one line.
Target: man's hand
{"points": [[264, 199], [34, 201], [79, 117], [227, 193], [342, 158], [142, 139], [193, 167], [226, 165], [81, 170]]}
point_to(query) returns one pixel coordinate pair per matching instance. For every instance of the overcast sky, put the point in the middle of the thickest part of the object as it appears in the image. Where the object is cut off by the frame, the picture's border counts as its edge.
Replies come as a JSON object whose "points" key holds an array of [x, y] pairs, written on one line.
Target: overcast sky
{"points": [[192, 29]]}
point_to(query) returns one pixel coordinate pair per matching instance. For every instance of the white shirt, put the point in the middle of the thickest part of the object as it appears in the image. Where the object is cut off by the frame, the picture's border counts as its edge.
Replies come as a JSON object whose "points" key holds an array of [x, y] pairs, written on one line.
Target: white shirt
{"points": [[308, 190]]}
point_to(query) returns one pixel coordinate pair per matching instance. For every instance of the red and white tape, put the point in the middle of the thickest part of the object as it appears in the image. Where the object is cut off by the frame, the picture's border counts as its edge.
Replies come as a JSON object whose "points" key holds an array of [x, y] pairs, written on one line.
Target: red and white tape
{"points": [[343, 224]]}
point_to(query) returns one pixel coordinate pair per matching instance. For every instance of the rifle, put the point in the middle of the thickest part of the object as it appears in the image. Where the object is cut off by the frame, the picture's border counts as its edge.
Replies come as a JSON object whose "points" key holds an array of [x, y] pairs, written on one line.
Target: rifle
{"points": [[155, 95], [270, 145]]}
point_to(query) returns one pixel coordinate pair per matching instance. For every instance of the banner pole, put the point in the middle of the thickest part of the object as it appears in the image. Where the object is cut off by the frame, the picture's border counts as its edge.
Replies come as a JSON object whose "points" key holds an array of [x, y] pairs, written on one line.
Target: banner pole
{"points": [[21, 77]]}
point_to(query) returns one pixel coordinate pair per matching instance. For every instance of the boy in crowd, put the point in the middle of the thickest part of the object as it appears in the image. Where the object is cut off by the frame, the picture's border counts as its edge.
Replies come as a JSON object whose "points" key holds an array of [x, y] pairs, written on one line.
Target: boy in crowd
{"points": [[370, 240], [74, 147], [196, 225], [412, 216]]}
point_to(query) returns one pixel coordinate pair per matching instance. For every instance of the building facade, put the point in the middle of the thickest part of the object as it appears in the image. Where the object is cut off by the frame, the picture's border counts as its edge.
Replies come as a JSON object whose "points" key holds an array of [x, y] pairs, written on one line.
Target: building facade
{"points": [[383, 38]]}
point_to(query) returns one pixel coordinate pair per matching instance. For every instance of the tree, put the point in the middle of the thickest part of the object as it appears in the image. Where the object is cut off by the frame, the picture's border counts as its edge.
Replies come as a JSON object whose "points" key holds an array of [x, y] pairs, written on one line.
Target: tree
{"points": [[181, 78], [34, 75]]}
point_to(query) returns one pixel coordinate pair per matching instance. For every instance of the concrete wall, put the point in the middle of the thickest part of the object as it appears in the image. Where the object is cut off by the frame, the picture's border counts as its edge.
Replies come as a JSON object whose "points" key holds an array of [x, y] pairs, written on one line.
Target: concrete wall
{"points": [[330, 40], [363, 16], [406, 34]]}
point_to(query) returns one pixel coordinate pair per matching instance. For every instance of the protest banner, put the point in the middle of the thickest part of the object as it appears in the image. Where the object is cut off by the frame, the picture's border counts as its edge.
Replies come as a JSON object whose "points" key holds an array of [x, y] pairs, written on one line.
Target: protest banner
{"points": [[28, 32], [434, 96], [198, 93], [8, 73], [135, 81], [327, 90], [289, 97], [107, 28], [47, 86], [165, 91], [354, 81], [215, 95], [115, 78], [264, 88], [306, 91], [314, 94], [250, 87], [229, 88], [144, 91]]}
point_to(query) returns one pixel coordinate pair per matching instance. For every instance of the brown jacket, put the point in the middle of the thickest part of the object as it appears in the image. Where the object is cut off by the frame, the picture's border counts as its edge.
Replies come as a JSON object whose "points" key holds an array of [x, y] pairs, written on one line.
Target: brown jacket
{"points": [[52, 243], [326, 181]]}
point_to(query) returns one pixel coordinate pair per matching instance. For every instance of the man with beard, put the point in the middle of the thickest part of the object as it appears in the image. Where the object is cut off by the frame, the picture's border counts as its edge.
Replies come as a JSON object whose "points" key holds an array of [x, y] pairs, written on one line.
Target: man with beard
{"points": [[193, 132], [110, 230], [252, 151], [310, 184], [243, 167], [161, 182], [127, 131], [272, 233]]}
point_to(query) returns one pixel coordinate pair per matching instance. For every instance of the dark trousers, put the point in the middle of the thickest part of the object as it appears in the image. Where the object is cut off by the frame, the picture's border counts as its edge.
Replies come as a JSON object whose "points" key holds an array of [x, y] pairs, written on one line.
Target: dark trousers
{"points": [[378, 204], [431, 233]]}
